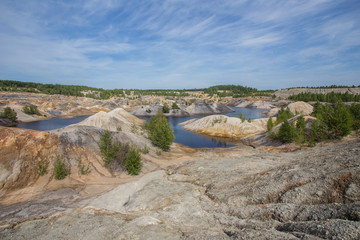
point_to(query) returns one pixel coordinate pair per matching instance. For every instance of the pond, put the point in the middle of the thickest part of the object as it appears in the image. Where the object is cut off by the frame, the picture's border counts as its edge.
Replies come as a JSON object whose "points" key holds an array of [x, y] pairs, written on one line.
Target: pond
{"points": [[51, 124], [196, 140], [182, 136]]}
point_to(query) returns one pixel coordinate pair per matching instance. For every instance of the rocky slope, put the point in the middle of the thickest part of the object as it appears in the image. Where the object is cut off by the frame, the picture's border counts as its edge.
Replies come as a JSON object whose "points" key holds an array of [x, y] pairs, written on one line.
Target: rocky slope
{"points": [[55, 105], [194, 109], [21, 151], [234, 194], [285, 93]]}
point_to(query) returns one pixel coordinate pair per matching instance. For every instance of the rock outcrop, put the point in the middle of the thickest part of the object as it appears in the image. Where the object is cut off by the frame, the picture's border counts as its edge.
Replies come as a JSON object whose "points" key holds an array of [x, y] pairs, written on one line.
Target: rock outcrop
{"points": [[205, 108], [309, 194], [223, 126], [300, 107], [255, 104], [194, 109]]}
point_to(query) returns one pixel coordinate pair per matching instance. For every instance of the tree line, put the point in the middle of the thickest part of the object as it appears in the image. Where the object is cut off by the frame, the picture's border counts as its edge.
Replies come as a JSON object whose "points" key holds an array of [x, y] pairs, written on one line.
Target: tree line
{"points": [[329, 97]]}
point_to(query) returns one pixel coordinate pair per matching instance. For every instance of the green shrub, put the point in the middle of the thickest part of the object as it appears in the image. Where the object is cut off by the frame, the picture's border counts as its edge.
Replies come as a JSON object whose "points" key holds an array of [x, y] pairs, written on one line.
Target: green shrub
{"points": [[175, 106], [119, 129], [145, 150], [355, 112], [287, 132], [249, 120], [61, 169], [160, 131], [339, 121], [300, 130], [165, 108], [317, 131], [107, 149], [31, 110], [242, 117], [82, 169], [133, 161], [158, 152], [134, 128], [270, 124], [42, 167], [9, 113], [283, 115]]}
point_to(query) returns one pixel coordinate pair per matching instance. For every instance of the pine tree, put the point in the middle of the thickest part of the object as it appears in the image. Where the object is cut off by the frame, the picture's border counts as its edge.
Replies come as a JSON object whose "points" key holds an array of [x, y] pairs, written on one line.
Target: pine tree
{"points": [[160, 131], [339, 122], [270, 124], [287, 132]]}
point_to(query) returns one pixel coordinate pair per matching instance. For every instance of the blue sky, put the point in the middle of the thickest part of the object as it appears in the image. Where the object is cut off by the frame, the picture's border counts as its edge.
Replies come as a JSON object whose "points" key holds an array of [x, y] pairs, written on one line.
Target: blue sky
{"points": [[149, 44]]}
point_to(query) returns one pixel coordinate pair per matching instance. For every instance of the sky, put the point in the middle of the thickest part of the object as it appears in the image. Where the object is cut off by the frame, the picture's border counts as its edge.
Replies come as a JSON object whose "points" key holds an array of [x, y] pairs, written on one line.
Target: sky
{"points": [[168, 44]]}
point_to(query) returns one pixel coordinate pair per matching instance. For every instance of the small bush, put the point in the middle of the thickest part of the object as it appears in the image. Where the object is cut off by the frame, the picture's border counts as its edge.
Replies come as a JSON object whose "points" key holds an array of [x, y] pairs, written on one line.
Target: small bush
{"points": [[9, 113], [107, 149], [145, 150], [242, 117], [42, 167], [158, 152], [249, 120], [134, 128], [61, 169], [133, 161], [31, 110], [165, 108], [270, 124], [175, 106], [119, 129], [82, 169]]}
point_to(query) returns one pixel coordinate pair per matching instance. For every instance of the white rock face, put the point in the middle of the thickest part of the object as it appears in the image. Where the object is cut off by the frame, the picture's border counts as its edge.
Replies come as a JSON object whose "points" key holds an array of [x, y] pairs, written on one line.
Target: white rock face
{"points": [[112, 120], [223, 126], [256, 104], [301, 108], [204, 108]]}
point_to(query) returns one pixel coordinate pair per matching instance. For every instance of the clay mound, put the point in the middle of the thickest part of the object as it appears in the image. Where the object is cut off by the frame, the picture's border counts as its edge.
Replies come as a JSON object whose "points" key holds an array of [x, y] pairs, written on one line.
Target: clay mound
{"points": [[112, 121], [223, 126], [301, 108], [204, 108], [256, 104]]}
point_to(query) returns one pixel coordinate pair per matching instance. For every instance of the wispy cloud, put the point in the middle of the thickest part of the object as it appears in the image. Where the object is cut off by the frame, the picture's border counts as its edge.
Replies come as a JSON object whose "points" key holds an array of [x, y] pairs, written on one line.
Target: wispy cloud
{"points": [[172, 43]]}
